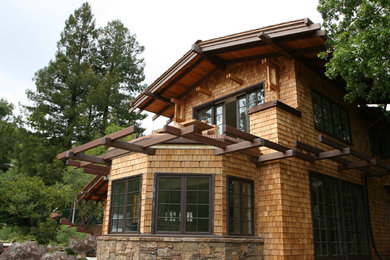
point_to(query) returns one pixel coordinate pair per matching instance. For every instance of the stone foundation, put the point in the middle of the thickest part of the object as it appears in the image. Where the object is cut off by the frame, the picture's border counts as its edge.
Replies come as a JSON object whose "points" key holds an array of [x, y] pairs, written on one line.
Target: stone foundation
{"points": [[178, 248]]}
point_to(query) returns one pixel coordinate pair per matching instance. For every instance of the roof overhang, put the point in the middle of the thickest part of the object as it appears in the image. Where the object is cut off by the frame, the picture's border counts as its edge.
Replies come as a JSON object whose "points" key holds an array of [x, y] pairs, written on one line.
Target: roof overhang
{"points": [[300, 39]]}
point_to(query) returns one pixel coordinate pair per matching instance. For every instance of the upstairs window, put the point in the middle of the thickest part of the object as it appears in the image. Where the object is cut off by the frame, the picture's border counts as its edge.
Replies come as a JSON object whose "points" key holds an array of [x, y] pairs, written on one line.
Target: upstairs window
{"points": [[183, 204], [331, 118], [232, 110], [125, 205]]}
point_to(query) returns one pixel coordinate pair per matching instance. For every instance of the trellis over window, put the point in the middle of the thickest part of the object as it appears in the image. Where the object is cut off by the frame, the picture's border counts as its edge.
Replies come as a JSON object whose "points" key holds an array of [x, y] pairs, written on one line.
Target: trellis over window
{"points": [[231, 109]]}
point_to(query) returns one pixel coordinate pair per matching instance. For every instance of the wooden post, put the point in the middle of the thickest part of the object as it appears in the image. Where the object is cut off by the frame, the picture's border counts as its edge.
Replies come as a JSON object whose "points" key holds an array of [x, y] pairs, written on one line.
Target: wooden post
{"points": [[179, 110]]}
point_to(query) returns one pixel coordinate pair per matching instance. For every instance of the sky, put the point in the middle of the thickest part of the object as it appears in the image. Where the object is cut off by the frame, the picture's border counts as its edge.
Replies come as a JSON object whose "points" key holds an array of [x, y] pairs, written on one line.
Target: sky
{"points": [[30, 30]]}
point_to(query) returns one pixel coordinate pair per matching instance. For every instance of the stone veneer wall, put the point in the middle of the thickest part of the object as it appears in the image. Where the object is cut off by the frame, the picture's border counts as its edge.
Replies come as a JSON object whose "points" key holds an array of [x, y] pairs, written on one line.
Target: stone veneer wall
{"points": [[178, 248]]}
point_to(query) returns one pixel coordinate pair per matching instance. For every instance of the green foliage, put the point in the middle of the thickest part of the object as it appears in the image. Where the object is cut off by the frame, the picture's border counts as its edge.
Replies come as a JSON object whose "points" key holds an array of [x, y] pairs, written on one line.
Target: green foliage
{"points": [[8, 126], [89, 84], [65, 233], [46, 231], [358, 34], [14, 233], [26, 200]]}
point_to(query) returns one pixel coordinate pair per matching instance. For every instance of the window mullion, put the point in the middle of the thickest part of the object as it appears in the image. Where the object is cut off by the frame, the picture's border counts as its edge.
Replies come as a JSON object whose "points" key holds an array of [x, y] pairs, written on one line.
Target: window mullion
{"points": [[125, 207], [183, 204]]}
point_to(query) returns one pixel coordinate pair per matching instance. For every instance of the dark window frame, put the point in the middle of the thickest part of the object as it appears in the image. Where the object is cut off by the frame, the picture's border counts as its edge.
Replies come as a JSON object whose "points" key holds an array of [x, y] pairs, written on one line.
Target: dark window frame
{"points": [[183, 204], [341, 186], [334, 107], [237, 95], [251, 182], [126, 179]]}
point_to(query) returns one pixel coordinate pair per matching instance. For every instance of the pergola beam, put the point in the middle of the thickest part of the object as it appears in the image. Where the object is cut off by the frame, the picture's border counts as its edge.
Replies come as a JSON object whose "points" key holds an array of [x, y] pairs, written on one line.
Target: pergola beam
{"points": [[88, 158], [127, 146], [95, 143]]}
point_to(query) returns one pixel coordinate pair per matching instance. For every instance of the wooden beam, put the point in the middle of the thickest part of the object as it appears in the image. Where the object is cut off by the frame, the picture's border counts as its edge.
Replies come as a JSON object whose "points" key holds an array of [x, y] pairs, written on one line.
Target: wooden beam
{"points": [[158, 97], [234, 78], [264, 37], [203, 91], [73, 163], [333, 153], [213, 59], [88, 158], [157, 140], [138, 112], [230, 130], [95, 143], [317, 151], [330, 142], [95, 172], [275, 156], [127, 146], [356, 165], [275, 146], [237, 147]]}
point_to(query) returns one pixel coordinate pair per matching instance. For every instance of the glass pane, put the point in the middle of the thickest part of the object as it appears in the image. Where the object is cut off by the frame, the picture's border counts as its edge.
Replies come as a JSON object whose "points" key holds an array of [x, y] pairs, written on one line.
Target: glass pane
{"points": [[203, 197], [163, 210], [175, 183], [162, 224], [192, 211], [175, 196], [192, 197], [191, 225], [130, 212], [192, 183], [203, 183], [174, 224], [119, 187], [247, 227], [163, 196], [164, 183], [203, 225], [133, 185], [131, 225], [205, 115], [203, 211]]}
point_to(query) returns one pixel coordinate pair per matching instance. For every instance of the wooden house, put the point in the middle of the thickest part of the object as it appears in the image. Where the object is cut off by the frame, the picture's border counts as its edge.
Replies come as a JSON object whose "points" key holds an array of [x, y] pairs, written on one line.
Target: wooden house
{"points": [[262, 159]]}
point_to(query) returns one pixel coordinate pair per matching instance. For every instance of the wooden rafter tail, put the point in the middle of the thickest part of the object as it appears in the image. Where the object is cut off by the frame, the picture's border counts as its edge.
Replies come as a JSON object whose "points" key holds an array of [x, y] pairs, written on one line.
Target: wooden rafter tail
{"points": [[330, 142], [356, 165], [95, 143], [127, 146], [88, 158], [73, 163], [158, 140]]}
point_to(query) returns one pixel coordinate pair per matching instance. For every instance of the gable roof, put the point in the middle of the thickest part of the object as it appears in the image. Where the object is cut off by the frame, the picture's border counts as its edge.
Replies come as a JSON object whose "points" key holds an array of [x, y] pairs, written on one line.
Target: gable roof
{"points": [[299, 39]]}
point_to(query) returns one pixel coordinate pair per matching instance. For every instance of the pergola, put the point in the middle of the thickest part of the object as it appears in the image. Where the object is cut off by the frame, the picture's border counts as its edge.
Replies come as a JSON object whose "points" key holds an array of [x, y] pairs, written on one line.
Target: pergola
{"points": [[232, 140]]}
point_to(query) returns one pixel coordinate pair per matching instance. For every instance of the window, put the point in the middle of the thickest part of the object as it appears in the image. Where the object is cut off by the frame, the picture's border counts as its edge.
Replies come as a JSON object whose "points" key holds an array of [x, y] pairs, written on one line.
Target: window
{"points": [[183, 204], [331, 118], [339, 220], [240, 206], [125, 205], [232, 111]]}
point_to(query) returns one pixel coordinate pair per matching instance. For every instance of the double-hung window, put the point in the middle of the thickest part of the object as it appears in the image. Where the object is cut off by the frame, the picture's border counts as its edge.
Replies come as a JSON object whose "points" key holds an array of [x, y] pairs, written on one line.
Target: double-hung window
{"points": [[232, 110], [331, 118], [240, 206], [183, 204], [125, 205]]}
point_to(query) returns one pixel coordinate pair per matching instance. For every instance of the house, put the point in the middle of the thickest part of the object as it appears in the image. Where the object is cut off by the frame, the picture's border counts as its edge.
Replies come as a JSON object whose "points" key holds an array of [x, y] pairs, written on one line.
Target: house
{"points": [[262, 159]]}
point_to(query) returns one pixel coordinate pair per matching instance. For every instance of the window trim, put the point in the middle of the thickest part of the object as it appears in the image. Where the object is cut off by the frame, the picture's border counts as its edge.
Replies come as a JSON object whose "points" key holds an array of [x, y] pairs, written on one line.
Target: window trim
{"points": [[332, 102], [228, 178], [182, 231], [124, 217]]}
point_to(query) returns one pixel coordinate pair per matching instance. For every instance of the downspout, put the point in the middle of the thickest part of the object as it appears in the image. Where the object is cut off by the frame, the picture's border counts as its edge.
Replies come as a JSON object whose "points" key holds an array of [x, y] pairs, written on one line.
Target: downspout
{"points": [[367, 204]]}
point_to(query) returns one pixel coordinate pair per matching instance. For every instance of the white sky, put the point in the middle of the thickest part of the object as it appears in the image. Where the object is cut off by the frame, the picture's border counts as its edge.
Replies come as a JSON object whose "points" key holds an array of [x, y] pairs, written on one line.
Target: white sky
{"points": [[29, 31]]}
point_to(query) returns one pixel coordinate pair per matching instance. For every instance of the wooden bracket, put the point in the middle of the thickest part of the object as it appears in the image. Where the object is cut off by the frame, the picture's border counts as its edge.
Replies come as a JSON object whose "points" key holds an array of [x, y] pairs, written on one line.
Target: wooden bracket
{"points": [[234, 78], [272, 82], [203, 91], [179, 110]]}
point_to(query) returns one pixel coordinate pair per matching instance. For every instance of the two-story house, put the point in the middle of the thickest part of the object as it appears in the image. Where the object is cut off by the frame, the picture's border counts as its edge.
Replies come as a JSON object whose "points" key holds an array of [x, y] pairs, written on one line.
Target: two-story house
{"points": [[261, 159]]}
